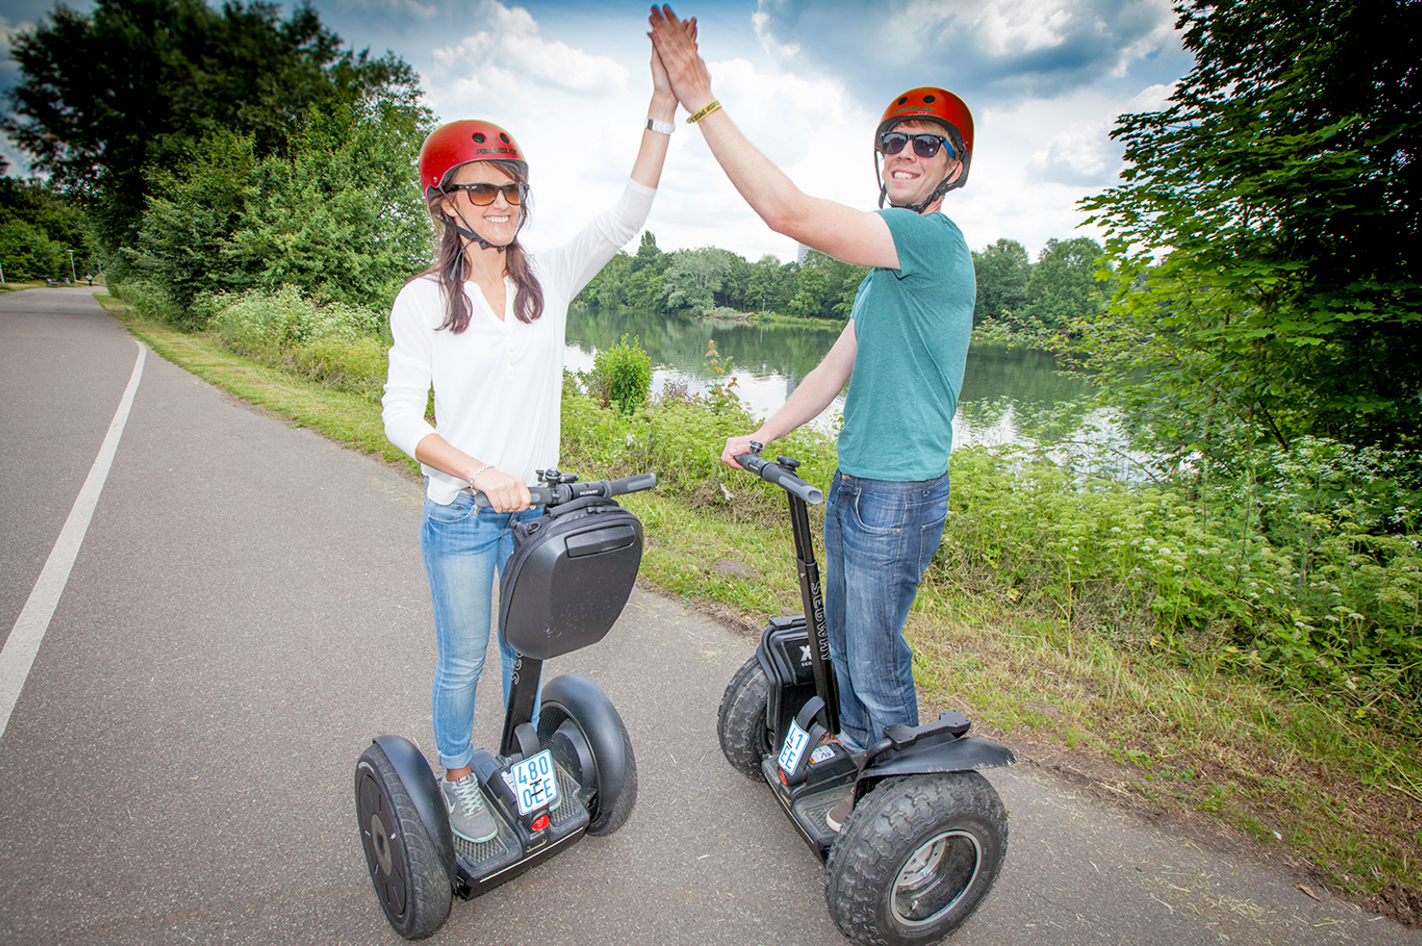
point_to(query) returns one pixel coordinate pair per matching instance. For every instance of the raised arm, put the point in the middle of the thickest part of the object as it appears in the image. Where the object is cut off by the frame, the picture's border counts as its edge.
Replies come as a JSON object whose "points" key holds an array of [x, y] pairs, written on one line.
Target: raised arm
{"points": [[854, 236], [647, 169]]}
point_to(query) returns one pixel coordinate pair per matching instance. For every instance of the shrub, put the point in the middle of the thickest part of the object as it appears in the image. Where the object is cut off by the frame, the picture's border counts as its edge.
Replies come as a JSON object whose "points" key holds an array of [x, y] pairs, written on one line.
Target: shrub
{"points": [[622, 374], [151, 302], [260, 323]]}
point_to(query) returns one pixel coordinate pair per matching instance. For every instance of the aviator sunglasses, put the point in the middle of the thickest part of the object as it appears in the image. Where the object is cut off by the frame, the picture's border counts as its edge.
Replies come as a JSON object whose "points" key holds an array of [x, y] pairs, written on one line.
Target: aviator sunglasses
{"points": [[484, 194], [924, 145]]}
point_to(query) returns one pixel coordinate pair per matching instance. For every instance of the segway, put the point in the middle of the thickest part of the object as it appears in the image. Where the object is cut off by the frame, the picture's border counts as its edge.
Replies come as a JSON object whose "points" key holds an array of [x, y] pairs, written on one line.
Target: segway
{"points": [[927, 833], [569, 774]]}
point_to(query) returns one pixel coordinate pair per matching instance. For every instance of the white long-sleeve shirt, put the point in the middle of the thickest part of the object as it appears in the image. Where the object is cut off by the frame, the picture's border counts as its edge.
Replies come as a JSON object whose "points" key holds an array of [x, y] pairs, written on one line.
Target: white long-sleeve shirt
{"points": [[498, 384]]}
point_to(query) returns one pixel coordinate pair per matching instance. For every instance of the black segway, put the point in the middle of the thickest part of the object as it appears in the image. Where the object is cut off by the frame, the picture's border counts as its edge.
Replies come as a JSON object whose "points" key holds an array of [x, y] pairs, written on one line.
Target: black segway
{"points": [[573, 773], [927, 833]]}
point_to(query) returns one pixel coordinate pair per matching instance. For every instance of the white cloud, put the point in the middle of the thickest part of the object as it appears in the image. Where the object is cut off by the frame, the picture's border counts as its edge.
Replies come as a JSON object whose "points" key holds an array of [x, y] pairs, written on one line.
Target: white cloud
{"points": [[989, 52]]}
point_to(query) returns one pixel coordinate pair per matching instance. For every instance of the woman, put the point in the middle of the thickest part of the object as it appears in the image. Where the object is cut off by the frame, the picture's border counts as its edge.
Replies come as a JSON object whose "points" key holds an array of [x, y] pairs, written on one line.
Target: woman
{"points": [[484, 327]]}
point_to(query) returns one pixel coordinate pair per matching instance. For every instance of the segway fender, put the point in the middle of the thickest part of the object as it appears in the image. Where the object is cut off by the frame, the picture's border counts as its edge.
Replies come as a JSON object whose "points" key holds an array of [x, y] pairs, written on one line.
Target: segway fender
{"points": [[958, 755], [585, 702], [419, 781]]}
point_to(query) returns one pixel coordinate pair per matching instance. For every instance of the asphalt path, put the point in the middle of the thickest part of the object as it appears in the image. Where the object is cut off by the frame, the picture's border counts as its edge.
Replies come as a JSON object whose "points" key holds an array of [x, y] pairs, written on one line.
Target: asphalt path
{"points": [[248, 608]]}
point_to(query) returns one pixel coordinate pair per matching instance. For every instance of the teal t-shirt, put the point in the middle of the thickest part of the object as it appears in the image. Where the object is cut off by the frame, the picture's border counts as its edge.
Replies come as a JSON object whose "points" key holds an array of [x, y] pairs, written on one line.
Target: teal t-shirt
{"points": [[911, 328]]}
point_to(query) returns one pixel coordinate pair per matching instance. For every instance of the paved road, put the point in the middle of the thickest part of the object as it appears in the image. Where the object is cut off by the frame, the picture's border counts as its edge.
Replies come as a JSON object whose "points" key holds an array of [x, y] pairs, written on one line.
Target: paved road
{"points": [[248, 608]]}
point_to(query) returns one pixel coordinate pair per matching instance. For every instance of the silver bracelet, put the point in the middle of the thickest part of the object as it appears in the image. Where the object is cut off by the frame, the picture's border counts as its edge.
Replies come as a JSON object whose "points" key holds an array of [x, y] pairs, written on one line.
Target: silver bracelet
{"points": [[486, 466], [665, 128]]}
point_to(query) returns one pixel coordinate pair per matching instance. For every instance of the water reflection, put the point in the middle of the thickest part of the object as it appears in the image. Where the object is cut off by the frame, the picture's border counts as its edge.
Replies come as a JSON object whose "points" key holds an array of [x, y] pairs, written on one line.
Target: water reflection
{"points": [[1006, 392]]}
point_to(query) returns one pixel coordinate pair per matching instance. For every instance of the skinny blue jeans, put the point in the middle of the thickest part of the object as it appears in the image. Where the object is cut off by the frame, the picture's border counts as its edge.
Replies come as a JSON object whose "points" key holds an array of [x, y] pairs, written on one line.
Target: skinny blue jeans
{"points": [[879, 538], [464, 548]]}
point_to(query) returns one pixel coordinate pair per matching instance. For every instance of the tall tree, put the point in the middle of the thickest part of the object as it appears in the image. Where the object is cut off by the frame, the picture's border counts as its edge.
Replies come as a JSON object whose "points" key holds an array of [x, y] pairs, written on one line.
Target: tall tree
{"points": [[1002, 271], [340, 216], [1268, 228], [134, 84], [1063, 289]]}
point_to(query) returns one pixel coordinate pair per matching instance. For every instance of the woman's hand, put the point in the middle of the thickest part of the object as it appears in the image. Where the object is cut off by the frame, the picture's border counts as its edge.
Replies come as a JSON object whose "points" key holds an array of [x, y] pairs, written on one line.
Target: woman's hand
{"points": [[675, 42], [505, 493]]}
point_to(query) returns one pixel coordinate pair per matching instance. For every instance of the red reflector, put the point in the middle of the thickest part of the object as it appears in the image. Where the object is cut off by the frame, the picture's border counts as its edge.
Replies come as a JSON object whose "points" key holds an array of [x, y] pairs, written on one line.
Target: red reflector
{"points": [[783, 779], [540, 823]]}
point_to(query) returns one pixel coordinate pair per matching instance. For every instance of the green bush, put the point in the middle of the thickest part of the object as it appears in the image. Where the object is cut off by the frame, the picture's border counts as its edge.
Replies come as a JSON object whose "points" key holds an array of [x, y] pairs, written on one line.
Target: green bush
{"points": [[151, 302], [261, 323], [622, 375]]}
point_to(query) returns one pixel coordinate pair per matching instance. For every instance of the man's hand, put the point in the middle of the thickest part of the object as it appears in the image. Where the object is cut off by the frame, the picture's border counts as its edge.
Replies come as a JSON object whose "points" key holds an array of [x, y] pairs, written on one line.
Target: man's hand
{"points": [[675, 41], [736, 446]]}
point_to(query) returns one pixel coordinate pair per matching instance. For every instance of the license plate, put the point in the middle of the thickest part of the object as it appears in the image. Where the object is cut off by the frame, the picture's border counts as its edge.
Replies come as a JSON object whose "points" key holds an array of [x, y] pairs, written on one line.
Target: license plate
{"points": [[795, 742], [533, 782]]}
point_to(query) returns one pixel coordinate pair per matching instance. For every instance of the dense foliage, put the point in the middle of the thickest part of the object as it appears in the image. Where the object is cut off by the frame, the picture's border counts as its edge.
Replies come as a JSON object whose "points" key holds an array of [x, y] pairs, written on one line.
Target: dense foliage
{"points": [[1267, 229], [710, 281], [139, 84], [1056, 295], [38, 229], [339, 216]]}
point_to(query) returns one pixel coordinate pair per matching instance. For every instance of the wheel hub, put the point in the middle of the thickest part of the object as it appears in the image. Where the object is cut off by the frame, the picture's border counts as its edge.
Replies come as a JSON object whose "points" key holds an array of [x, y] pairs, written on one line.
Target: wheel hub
{"points": [[935, 877]]}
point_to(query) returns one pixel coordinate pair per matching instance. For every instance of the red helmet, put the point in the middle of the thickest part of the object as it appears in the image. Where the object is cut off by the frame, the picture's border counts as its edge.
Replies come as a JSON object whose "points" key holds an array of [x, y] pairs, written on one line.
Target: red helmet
{"points": [[449, 146], [933, 105]]}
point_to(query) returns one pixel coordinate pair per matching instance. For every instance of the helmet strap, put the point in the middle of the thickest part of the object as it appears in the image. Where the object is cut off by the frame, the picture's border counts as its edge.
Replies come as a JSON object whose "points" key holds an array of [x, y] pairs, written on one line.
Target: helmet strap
{"points": [[467, 231], [946, 185]]}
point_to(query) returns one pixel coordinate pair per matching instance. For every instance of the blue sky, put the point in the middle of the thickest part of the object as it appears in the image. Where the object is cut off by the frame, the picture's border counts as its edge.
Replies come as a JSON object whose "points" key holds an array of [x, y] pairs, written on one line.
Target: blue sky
{"points": [[805, 79]]}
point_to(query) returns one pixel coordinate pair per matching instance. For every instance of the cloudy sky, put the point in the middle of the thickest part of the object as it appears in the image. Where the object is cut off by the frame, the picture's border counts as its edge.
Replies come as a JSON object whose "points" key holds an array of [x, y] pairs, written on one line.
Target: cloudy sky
{"points": [[805, 79]]}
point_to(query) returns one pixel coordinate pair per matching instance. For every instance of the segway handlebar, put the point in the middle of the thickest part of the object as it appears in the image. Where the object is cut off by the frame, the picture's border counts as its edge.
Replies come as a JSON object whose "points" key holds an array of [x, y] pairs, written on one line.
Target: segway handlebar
{"points": [[565, 492], [776, 473]]}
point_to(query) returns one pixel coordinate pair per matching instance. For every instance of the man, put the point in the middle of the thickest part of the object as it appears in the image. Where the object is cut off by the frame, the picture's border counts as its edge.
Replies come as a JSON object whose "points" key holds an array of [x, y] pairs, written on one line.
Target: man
{"points": [[903, 354]]}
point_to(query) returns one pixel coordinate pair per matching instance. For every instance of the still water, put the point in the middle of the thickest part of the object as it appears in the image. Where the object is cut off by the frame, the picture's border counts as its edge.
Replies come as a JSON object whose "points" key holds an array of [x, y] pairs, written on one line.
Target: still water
{"points": [[1004, 390]]}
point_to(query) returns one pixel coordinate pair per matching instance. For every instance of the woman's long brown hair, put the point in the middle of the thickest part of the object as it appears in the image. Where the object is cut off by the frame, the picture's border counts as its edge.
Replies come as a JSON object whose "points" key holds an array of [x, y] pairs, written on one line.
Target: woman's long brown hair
{"points": [[449, 264]]}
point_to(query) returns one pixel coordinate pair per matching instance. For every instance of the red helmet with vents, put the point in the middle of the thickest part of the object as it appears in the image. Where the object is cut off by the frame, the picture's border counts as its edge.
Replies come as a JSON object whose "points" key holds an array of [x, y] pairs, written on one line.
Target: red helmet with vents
{"points": [[936, 105], [449, 146]]}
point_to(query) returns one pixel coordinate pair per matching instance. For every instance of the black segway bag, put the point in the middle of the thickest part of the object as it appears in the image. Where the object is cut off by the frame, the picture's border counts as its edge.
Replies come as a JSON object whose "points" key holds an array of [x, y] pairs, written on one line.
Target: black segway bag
{"points": [[569, 577]]}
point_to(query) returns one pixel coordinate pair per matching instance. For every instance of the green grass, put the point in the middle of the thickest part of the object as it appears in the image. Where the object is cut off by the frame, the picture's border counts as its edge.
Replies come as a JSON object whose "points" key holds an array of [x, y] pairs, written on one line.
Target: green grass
{"points": [[1048, 670]]}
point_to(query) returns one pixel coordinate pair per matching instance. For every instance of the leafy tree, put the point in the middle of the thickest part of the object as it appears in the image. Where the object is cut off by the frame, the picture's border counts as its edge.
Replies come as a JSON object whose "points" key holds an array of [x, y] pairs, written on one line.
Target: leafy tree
{"points": [[694, 277], [340, 218], [1267, 230], [1002, 271], [647, 252], [26, 253], [809, 299], [1063, 289], [38, 229], [136, 83]]}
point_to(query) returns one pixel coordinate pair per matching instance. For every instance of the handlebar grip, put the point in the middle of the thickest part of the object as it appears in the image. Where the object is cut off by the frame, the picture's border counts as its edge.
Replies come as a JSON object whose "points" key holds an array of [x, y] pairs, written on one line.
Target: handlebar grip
{"points": [[777, 474], [541, 496], [631, 484]]}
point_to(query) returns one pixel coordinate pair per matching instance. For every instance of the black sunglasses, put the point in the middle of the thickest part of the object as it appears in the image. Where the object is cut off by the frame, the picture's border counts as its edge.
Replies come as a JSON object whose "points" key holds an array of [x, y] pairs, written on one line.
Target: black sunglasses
{"points": [[483, 194], [924, 145]]}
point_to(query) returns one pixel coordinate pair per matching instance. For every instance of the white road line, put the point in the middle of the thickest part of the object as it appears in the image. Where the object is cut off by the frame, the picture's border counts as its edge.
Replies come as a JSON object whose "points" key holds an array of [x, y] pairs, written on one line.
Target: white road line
{"points": [[28, 632]]}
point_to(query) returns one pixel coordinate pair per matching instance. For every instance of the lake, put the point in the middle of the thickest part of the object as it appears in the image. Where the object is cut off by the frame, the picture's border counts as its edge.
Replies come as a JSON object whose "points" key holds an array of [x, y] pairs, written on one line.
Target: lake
{"points": [[1004, 389]]}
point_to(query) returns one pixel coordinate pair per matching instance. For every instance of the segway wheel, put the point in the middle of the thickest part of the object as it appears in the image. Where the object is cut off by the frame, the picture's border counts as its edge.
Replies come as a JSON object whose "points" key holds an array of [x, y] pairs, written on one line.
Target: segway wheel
{"points": [[915, 858], [580, 725], [405, 866], [741, 722]]}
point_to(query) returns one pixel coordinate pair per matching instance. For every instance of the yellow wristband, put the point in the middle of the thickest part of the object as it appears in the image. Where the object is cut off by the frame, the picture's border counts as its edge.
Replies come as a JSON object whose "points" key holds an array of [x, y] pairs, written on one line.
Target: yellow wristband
{"points": [[710, 107]]}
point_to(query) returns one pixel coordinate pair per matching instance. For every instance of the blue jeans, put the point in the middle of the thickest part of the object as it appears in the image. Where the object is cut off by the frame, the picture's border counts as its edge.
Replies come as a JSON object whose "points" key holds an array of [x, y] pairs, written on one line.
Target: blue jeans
{"points": [[463, 549], [879, 538]]}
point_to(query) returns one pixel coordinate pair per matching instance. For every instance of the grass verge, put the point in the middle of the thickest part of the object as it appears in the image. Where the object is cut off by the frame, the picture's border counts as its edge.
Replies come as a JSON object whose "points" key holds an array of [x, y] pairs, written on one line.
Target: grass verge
{"points": [[1214, 755]]}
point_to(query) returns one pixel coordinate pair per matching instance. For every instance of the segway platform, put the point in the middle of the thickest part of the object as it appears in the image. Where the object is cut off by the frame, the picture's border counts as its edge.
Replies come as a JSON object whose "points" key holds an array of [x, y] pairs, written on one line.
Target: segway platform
{"points": [[525, 837]]}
